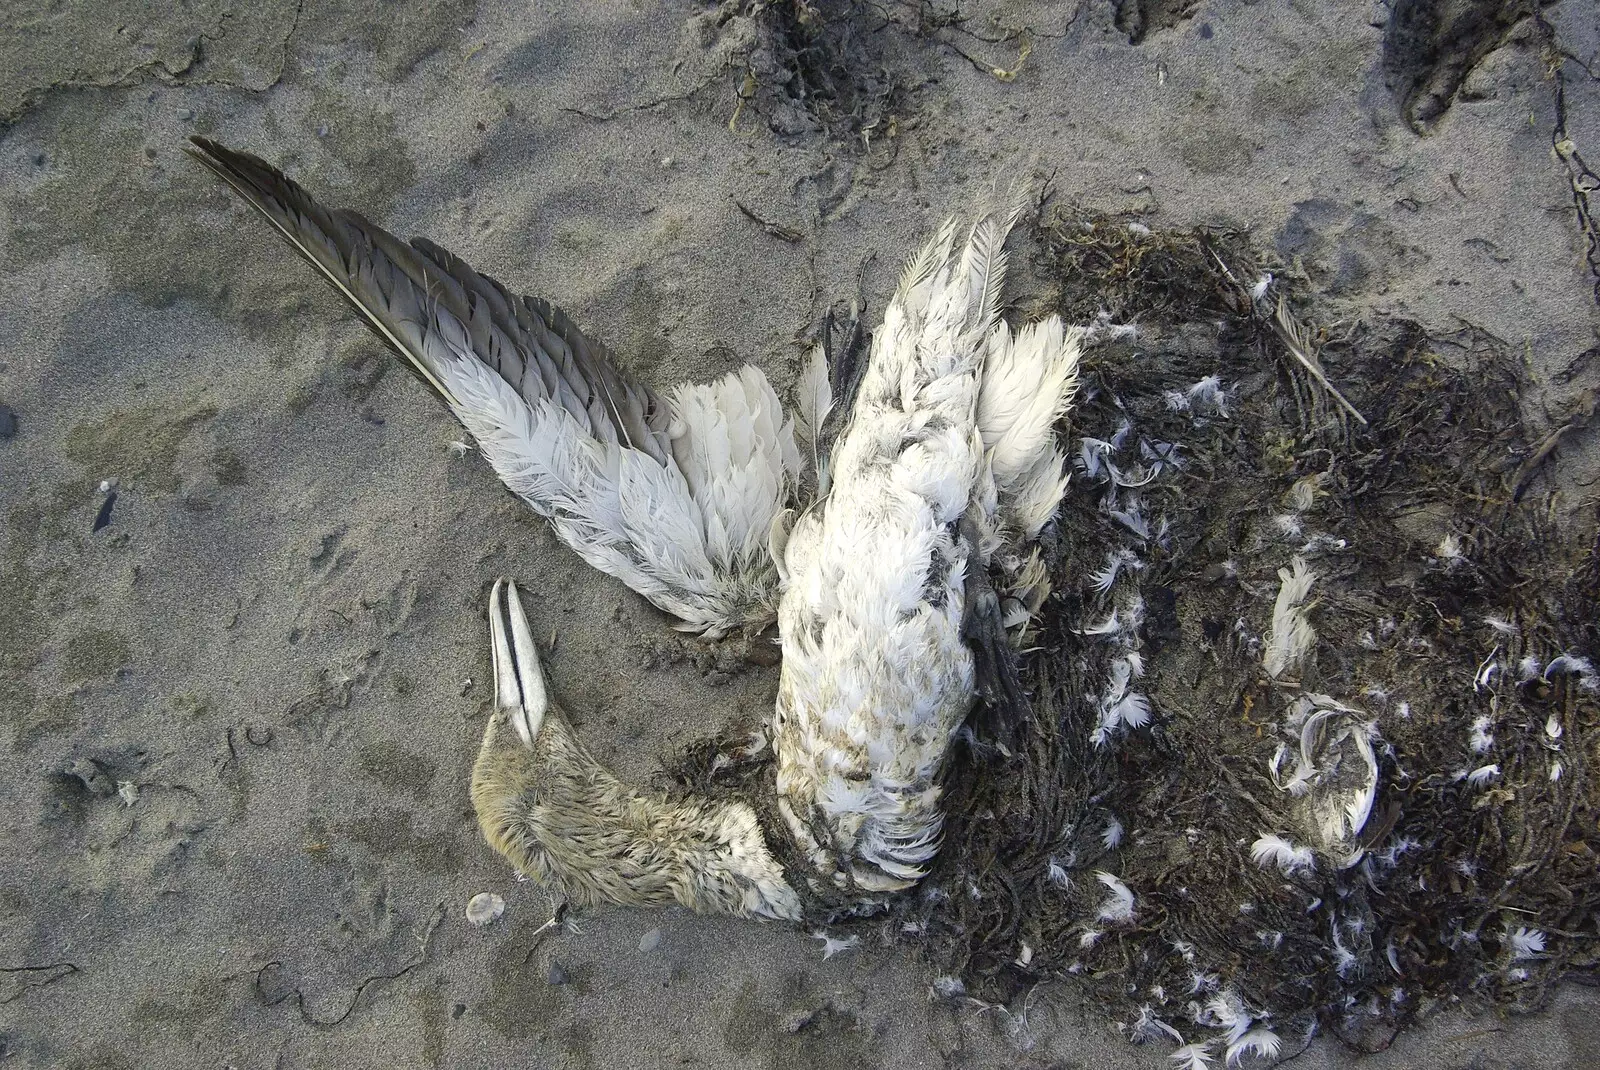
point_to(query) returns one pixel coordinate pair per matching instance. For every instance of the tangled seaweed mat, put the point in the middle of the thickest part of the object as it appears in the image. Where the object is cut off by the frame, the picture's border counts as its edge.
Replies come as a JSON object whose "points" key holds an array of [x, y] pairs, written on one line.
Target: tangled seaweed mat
{"points": [[1429, 573]]}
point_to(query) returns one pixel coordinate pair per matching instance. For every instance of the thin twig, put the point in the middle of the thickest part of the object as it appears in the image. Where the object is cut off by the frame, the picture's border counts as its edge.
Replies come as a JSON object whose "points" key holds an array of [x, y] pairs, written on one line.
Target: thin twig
{"points": [[1298, 342], [777, 230]]}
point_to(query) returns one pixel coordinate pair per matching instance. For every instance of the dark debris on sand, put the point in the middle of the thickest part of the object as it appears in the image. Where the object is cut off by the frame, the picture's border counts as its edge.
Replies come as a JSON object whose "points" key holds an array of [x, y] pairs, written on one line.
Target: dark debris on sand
{"points": [[1419, 546], [851, 71]]}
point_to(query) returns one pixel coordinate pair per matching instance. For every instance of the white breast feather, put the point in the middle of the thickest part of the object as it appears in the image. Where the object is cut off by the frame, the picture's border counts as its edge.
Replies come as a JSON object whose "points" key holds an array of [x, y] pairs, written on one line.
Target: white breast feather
{"points": [[876, 677]]}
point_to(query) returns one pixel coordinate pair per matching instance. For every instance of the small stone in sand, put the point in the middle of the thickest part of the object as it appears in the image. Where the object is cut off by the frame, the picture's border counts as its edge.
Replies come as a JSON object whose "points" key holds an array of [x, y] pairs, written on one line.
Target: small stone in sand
{"points": [[797, 1020], [650, 940], [93, 777], [484, 908]]}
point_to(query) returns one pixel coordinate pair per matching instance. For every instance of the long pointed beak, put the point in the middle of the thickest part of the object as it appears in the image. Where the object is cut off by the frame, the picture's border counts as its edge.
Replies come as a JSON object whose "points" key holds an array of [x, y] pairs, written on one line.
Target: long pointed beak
{"points": [[518, 678]]}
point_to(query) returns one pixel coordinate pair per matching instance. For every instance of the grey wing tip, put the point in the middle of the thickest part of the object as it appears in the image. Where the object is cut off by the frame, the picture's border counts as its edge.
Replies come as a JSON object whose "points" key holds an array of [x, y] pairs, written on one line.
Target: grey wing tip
{"points": [[230, 163]]}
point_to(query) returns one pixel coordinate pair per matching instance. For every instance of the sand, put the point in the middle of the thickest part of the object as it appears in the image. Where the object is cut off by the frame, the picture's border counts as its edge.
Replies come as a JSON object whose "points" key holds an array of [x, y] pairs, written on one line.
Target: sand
{"points": [[278, 639]]}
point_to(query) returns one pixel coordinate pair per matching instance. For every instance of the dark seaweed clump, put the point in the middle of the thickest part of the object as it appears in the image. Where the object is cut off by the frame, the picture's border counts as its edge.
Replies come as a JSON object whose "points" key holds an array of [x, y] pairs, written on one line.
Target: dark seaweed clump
{"points": [[821, 66], [1429, 569]]}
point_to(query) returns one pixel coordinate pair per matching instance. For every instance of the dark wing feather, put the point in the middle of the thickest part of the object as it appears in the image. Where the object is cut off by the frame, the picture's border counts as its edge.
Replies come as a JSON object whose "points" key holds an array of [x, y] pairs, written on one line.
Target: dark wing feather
{"points": [[415, 296]]}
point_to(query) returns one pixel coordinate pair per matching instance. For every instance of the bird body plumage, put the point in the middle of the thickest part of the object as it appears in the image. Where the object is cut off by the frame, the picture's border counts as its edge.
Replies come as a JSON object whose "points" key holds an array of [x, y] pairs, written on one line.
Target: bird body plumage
{"points": [[946, 467], [954, 420]]}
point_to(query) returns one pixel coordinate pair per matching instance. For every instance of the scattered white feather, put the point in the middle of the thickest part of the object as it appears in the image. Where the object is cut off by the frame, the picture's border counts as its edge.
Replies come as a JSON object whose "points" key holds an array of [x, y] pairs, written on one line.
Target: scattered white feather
{"points": [[1094, 457], [1500, 625], [1291, 635], [1344, 960], [1209, 395], [1148, 1026], [1259, 288], [1578, 666], [1260, 1042], [1104, 330], [1482, 775], [1116, 561], [1121, 708], [1133, 711], [1088, 938], [459, 448], [1058, 875], [1529, 668], [1274, 850], [1110, 626], [1193, 1056], [1303, 493], [813, 402], [1227, 1010], [1552, 727], [1525, 943], [832, 945], [1117, 908], [1481, 737], [1132, 519], [1483, 679], [1112, 835], [1566, 663]]}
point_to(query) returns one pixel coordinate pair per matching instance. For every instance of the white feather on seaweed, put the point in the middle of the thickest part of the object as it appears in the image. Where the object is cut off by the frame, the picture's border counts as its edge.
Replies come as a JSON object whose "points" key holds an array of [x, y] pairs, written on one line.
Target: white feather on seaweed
{"points": [[1291, 636], [1117, 907]]}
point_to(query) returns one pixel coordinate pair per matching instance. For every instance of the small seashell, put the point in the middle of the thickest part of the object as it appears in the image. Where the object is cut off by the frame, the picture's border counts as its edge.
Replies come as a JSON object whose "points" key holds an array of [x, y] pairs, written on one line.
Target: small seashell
{"points": [[484, 908], [650, 940]]}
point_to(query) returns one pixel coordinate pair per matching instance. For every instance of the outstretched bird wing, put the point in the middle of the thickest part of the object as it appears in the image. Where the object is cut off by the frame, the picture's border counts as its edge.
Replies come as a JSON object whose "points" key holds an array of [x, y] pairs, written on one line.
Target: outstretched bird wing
{"points": [[675, 496]]}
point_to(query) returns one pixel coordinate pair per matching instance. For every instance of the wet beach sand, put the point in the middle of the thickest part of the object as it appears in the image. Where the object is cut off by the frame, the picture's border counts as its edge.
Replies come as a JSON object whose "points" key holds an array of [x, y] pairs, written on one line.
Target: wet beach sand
{"points": [[238, 705]]}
